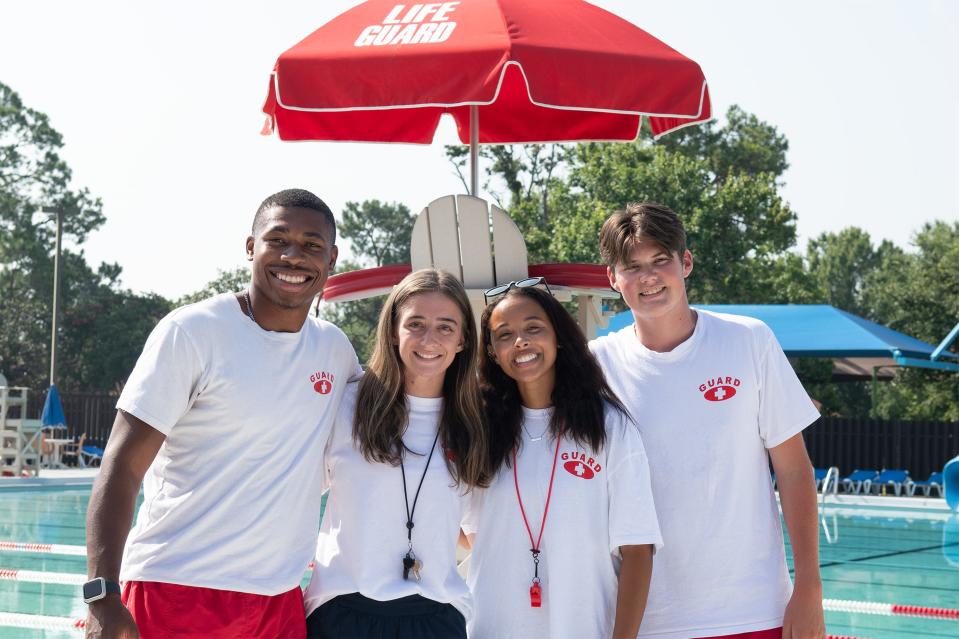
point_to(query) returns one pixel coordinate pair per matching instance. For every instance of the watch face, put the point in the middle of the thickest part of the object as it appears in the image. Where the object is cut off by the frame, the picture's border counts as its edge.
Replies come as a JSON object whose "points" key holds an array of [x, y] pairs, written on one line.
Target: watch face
{"points": [[93, 589]]}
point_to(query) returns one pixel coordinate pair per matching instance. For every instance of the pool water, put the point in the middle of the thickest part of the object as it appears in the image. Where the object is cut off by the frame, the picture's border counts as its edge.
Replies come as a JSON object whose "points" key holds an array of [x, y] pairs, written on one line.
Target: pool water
{"points": [[899, 558], [909, 559], [42, 516]]}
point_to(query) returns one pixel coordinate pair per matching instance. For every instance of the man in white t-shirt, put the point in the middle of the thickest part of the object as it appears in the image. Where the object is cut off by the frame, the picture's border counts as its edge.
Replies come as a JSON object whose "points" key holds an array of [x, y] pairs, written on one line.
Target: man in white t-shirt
{"points": [[715, 399], [224, 420]]}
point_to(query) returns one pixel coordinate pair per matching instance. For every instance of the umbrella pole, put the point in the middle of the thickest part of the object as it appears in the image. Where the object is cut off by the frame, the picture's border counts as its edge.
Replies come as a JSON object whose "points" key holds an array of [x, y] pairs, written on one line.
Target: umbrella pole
{"points": [[474, 150]]}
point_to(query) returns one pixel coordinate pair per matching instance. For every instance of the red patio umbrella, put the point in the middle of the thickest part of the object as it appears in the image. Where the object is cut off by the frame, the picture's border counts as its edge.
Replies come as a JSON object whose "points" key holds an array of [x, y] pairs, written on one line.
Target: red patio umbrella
{"points": [[506, 70]]}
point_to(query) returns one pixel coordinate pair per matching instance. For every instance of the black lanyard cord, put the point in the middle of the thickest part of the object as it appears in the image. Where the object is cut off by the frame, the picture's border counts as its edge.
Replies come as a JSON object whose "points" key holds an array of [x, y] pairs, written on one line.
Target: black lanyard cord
{"points": [[406, 498]]}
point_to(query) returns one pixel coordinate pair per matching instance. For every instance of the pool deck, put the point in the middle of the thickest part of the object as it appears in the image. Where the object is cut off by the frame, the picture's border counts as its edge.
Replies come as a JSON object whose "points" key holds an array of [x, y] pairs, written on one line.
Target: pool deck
{"points": [[60, 478]]}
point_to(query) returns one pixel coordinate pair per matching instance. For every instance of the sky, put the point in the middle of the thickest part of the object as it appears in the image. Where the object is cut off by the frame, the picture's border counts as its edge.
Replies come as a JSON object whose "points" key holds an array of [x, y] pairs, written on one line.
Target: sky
{"points": [[159, 105]]}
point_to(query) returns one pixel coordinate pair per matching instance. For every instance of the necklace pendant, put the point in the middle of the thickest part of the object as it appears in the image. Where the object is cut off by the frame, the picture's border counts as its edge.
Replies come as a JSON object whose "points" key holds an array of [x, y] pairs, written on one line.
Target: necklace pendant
{"points": [[535, 595]]}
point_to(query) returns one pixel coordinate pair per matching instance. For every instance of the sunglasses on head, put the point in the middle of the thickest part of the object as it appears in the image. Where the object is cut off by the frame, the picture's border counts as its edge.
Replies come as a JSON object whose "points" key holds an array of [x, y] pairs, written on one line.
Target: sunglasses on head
{"points": [[492, 293]]}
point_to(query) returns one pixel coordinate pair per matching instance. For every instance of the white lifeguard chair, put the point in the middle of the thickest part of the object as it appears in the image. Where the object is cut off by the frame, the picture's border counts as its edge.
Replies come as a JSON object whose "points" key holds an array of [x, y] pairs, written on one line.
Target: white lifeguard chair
{"points": [[479, 243], [19, 437]]}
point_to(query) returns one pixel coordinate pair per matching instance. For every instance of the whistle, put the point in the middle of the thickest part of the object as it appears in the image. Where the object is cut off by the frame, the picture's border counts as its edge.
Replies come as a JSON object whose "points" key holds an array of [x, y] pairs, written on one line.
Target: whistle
{"points": [[535, 595]]}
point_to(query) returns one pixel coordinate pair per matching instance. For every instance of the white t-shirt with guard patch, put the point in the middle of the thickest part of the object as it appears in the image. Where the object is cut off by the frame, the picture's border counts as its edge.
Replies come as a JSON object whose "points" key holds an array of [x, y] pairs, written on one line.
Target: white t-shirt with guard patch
{"points": [[363, 540], [708, 410], [232, 500], [600, 501]]}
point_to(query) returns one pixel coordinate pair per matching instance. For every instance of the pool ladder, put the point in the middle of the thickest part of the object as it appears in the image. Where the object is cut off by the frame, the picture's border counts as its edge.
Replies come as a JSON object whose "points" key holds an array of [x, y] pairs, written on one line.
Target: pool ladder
{"points": [[829, 482]]}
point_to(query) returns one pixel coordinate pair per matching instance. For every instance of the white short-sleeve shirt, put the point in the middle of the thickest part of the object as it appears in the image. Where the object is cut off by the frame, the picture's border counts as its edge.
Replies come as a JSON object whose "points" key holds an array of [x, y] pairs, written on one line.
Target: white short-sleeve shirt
{"points": [[363, 538], [232, 500], [600, 501], [708, 410]]}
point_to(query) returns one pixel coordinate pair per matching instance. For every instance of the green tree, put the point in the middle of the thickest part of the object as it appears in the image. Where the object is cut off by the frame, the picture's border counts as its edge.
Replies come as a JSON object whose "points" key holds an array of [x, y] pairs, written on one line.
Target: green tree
{"points": [[723, 180], [103, 327], [379, 234], [226, 281], [918, 293], [841, 263]]}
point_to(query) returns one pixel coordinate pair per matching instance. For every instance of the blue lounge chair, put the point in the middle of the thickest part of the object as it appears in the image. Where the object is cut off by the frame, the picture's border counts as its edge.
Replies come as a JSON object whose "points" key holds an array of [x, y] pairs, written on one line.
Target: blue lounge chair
{"points": [[90, 455], [895, 478], [820, 475], [853, 483], [927, 485]]}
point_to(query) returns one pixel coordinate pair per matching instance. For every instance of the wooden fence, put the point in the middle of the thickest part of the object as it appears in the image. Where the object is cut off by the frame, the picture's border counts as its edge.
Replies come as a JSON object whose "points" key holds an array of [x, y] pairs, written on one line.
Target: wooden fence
{"points": [[90, 413], [921, 447]]}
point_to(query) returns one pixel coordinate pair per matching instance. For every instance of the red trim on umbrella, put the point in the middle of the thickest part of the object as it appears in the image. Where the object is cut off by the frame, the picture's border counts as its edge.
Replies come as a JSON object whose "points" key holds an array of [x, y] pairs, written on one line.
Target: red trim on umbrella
{"points": [[563, 70]]}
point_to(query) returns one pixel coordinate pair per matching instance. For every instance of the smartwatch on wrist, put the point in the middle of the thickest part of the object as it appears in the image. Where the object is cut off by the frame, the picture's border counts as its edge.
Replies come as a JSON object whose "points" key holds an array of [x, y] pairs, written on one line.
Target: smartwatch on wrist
{"points": [[98, 588]]}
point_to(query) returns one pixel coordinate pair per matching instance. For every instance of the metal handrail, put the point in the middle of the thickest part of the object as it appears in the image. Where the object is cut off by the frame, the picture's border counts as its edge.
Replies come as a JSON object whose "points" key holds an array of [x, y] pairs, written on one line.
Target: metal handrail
{"points": [[831, 475]]}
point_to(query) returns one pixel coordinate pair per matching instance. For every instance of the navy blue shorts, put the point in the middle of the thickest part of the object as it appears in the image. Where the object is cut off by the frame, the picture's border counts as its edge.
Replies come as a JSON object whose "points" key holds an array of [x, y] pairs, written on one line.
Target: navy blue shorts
{"points": [[354, 616]]}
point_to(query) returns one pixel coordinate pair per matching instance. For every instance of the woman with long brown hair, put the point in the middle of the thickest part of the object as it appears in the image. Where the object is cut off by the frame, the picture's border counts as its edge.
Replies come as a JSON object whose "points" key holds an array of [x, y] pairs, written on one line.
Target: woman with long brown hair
{"points": [[563, 536], [407, 448]]}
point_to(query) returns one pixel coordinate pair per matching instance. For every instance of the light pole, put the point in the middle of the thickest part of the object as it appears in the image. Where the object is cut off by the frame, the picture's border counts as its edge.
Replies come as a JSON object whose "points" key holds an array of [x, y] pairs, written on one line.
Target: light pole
{"points": [[56, 292]]}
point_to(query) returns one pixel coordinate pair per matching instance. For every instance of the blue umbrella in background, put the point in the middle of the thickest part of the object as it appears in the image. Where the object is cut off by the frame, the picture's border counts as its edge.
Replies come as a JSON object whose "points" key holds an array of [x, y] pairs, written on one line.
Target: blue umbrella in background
{"points": [[53, 410]]}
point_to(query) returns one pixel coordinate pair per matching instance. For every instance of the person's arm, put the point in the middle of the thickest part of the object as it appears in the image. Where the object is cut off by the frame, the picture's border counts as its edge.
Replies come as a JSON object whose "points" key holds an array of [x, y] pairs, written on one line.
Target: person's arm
{"points": [[132, 448], [797, 494], [634, 576]]}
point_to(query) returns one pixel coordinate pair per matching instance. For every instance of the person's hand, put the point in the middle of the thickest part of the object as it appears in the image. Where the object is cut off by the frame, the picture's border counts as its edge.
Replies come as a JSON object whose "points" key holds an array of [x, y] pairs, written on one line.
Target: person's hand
{"points": [[109, 619], [804, 615]]}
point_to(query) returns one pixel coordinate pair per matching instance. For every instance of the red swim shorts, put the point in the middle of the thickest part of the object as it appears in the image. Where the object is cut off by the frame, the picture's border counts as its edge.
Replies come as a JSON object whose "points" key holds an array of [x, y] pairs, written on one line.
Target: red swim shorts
{"points": [[164, 610], [772, 633]]}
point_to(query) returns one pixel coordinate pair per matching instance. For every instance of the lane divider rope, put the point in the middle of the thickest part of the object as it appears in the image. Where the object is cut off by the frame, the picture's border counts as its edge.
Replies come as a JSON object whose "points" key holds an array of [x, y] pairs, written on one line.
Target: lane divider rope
{"points": [[36, 576], [41, 622], [873, 608], [51, 549]]}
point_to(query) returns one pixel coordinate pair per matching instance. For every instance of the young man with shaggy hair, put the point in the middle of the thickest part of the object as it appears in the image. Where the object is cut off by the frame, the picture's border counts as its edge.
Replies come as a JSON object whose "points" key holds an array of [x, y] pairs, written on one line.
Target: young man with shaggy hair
{"points": [[715, 399]]}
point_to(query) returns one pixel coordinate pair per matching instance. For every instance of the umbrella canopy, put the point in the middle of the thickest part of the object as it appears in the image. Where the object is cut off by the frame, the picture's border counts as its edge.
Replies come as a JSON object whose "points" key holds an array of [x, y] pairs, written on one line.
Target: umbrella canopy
{"points": [[53, 409], [818, 330], [556, 71]]}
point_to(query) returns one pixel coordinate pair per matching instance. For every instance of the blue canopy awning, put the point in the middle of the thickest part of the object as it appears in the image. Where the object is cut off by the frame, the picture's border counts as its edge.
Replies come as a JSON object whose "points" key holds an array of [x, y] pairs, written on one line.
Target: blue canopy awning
{"points": [[819, 330]]}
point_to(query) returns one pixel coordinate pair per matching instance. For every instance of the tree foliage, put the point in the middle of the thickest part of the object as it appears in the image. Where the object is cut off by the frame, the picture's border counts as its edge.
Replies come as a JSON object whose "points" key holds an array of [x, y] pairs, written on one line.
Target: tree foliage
{"points": [[379, 234], [724, 179], [102, 326], [226, 281], [917, 292]]}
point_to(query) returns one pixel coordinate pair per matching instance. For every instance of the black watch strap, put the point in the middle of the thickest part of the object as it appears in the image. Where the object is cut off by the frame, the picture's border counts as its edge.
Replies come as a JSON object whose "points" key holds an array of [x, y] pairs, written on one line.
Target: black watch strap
{"points": [[98, 588]]}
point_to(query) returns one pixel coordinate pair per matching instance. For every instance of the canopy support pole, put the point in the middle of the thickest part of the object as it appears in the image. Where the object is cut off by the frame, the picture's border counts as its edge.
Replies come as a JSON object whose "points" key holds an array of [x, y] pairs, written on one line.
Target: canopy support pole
{"points": [[474, 150], [950, 338]]}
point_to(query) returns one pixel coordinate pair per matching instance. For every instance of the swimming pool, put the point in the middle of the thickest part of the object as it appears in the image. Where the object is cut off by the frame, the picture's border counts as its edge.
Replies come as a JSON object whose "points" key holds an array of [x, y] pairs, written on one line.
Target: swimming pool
{"points": [[889, 557], [41, 516], [882, 557]]}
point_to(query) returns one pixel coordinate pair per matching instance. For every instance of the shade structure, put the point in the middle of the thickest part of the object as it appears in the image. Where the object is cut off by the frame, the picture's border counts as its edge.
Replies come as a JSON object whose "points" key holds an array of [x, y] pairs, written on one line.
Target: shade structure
{"points": [[52, 409], [856, 345], [556, 71]]}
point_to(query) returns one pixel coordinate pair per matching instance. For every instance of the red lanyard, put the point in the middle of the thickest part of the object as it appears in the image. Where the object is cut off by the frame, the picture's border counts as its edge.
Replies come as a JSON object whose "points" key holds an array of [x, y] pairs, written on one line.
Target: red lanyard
{"points": [[535, 590]]}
